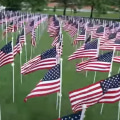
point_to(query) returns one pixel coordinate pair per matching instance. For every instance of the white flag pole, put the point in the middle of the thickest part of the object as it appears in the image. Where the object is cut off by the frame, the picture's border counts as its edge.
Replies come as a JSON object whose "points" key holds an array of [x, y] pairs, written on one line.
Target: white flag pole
{"points": [[57, 63], [109, 74], [31, 52], [25, 43], [60, 94], [97, 56], [118, 107], [13, 71], [2, 27], [61, 60], [84, 43], [57, 101], [78, 32], [118, 111], [83, 112], [0, 112], [21, 63], [6, 27]]}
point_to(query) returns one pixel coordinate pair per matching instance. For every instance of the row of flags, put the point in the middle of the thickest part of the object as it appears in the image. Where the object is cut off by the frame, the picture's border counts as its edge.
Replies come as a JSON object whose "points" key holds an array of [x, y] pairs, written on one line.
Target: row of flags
{"points": [[95, 35], [103, 91]]}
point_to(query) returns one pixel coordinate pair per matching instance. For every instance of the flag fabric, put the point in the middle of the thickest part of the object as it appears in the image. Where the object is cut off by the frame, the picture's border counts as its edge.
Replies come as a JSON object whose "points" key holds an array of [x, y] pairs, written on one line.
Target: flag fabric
{"points": [[6, 54], [44, 61], [33, 37], [87, 50], [55, 41], [101, 63], [116, 59], [9, 28], [48, 85], [112, 36], [74, 116], [22, 37], [81, 37], [104, 91], [98, 33], [29, 26], [17, 47], [110, 44]]}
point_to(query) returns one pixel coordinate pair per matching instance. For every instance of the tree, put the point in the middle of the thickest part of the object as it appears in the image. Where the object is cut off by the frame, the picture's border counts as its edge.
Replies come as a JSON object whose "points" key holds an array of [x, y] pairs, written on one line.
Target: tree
{"points": [[95, 4], [12, 4], [37, 5]]}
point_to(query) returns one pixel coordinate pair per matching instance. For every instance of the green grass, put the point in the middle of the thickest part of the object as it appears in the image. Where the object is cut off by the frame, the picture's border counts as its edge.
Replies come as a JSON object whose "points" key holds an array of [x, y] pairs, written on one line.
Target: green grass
{"points": [[44, 108], [114, 15]]}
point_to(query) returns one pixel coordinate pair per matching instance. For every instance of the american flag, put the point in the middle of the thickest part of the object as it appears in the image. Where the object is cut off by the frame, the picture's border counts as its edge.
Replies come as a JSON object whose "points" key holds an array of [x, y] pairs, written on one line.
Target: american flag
{"points": [[109, 45], [73, 30], [90, 27], [67, 26], [33, 37], [81, 37], [17, 47], [112, 36], [55, 41], [6, 54], [22, 37], [104, 91], [98, 33], [9, 28], [48, 85], [74, 116], [87, 50], [101, 63], [29, 26], [44, 61], [116, 59]]}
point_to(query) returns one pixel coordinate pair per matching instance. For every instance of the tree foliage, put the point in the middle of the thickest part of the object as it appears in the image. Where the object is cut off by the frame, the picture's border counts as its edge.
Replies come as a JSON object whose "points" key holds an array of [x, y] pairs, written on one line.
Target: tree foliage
{"points": [[37, 5], [11, 3]]}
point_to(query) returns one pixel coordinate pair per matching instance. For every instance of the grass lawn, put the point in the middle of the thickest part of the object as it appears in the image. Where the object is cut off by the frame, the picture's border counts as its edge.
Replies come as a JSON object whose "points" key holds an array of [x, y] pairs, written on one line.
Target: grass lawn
{"points": [[44, 108], [114, 15]]}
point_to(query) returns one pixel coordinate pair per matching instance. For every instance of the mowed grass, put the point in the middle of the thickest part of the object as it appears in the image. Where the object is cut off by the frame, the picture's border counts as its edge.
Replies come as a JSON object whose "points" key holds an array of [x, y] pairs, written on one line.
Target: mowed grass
{"points": [[44, 108], [114, 15]]}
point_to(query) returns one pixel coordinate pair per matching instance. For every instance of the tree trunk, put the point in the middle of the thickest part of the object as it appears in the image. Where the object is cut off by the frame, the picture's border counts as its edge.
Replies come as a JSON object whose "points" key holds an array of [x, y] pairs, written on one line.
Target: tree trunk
{"points": [[64, 11], [91, 13]]}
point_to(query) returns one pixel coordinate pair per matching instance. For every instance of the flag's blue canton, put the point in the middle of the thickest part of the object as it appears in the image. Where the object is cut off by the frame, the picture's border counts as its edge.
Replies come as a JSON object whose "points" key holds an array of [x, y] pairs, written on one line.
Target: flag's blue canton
{"points": [[22, 33], [111, 82], [25, 16], [90, 24], [53, 73], [56, 23], [7, 48], [75, 116], [91, 45], [107, 25], [76, 26], [51, 53], [32, 23], [88, 39], [19, 19], [116, 25], [112, 35], [100, 29], [118, 30], [106, 57], [117, 41], [111, 27], [11, 23], [82, 31]]}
